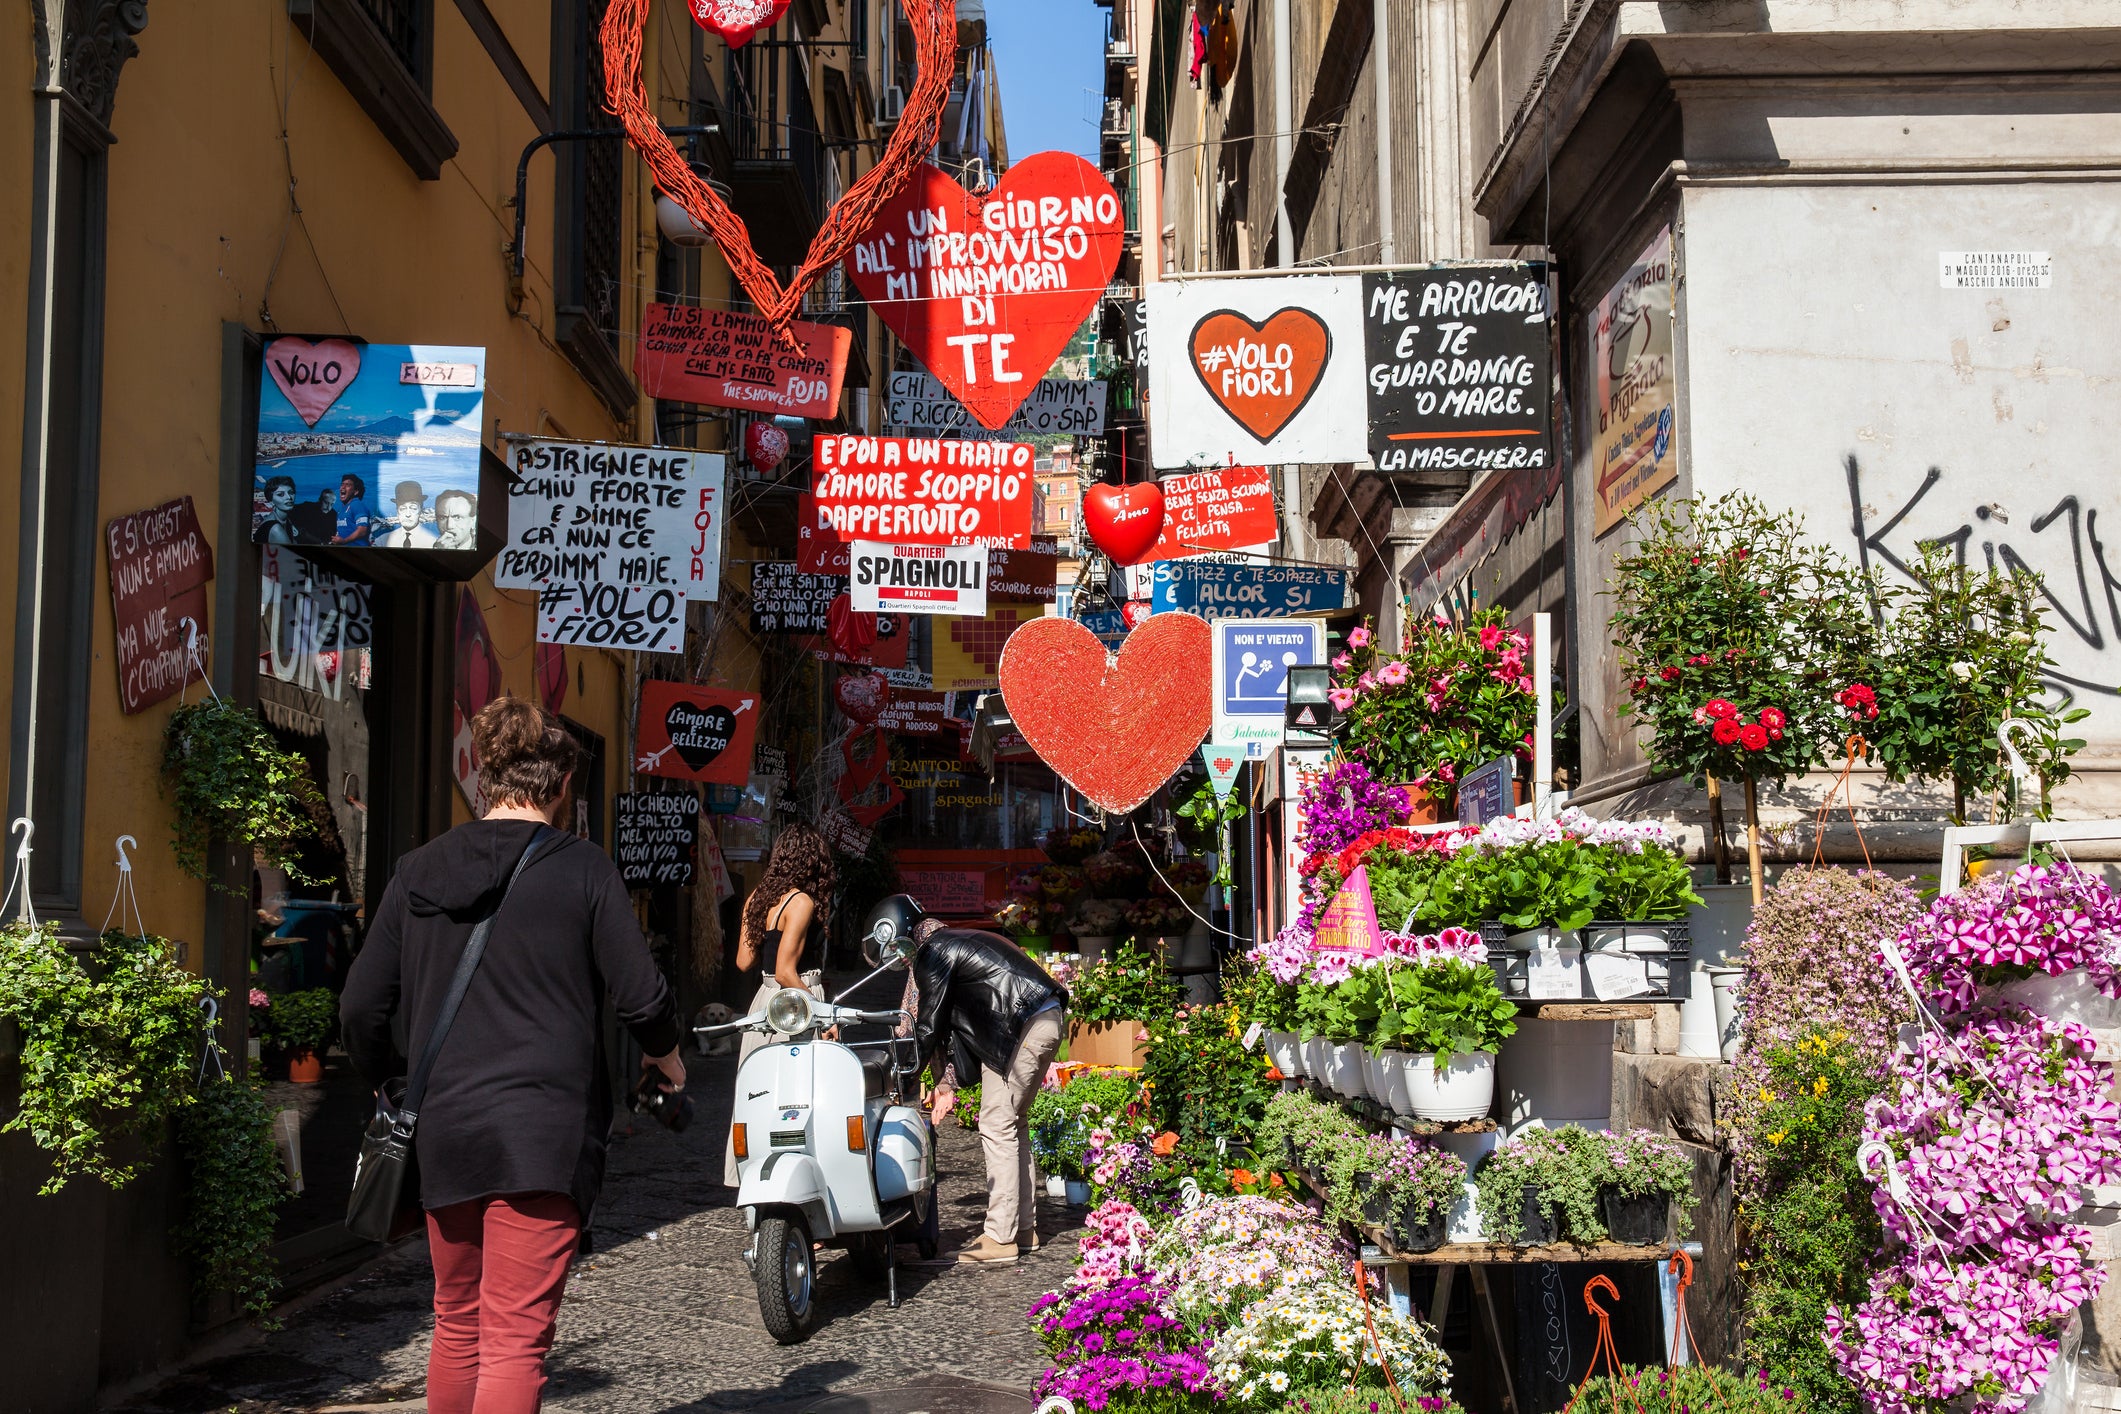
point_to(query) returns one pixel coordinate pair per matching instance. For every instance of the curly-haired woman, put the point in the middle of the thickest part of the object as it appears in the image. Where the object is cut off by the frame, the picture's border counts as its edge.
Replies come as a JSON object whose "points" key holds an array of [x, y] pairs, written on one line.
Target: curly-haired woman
{"points": [[782, 916]]}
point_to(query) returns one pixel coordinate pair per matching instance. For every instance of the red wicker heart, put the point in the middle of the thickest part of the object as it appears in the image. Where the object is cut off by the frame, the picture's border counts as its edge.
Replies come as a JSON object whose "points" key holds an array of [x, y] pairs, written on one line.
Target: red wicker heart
{"points": [[934, 25], [1113, 728]]}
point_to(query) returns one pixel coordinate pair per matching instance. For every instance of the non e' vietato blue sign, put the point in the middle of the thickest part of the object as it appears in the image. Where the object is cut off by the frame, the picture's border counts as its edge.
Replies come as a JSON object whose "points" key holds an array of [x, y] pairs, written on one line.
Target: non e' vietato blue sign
{"points": [[1110, 625], [1223, 591]]}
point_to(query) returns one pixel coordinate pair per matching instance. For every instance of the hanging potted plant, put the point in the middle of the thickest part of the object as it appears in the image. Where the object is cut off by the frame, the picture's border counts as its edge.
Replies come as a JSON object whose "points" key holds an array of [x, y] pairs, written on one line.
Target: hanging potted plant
{"points": [[1735, 631], [1542, 1186], [295, 1027], [230, 780]]}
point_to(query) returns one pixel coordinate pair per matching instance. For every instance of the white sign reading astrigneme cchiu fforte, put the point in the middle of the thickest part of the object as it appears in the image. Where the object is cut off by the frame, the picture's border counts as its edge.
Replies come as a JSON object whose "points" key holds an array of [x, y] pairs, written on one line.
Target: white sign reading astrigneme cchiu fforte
{"points": [[605, 535]]}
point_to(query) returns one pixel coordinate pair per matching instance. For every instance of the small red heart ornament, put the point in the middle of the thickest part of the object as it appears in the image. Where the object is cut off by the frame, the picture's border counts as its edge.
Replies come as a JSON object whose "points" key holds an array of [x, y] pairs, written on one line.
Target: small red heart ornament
{"points": [[312, 375], [736, 21], [1125, 521], [862, 696], [1225, 764], [765, 445], [1135, 612], [1002, 282], [1114, 728]]}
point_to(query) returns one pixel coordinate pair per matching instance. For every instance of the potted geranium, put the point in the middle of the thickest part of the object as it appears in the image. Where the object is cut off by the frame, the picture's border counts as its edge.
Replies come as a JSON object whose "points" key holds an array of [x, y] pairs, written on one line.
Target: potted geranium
{"points": [[1538, 881], [1735, 632], [1447, 1017], [1455, 697], [295, 1026]]}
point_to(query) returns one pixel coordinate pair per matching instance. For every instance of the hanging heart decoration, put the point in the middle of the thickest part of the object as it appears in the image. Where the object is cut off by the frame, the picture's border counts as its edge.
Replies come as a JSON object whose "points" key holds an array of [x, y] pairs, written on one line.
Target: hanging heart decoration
{"points": [[765, 445], [865, 786], [736, 21], [1135, 612], [934, 26], [862, 696], [1125, 521], [999, 283], [1115, 728], [852, 633]]}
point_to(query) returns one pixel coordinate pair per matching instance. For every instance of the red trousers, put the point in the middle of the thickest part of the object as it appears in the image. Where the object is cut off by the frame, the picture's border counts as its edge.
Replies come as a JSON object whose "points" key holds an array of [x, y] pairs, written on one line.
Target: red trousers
{"points": [[500, 1269]]}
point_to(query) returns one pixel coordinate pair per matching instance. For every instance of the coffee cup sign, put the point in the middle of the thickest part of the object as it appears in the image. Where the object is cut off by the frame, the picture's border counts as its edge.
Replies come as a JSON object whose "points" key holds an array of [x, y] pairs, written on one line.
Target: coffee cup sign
{"points": [[700, 734]]}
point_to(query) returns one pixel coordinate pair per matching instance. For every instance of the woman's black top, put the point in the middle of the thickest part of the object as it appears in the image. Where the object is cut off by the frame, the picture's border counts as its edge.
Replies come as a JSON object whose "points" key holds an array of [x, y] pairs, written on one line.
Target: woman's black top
{"points": [[519, 1101], [770, 941]]}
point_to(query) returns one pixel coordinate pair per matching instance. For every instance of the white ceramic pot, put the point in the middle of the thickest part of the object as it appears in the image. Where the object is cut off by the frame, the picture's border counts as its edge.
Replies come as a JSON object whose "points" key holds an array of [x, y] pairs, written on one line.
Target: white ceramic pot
{"points": [[1056, 1187], [1464, 1089], [1388, 1081], [1093, 949], [1698, 1038], [1728, 985], [1318, 1060], [1287, 1053], [1349, 1064], [1188, 953], [1078, 1193], [1556, 1072], [1532, 939], [1463, 1225], [1554, 974]]}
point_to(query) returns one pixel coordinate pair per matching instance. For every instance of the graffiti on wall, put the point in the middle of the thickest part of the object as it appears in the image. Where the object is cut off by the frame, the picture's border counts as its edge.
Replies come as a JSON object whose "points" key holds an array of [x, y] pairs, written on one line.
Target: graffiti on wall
{"points": [[2060, 541]]}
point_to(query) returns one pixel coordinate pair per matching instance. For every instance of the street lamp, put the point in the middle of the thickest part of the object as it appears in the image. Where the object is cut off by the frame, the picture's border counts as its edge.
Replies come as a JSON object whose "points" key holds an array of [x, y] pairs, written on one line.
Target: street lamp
{"points": [[676, 223]]}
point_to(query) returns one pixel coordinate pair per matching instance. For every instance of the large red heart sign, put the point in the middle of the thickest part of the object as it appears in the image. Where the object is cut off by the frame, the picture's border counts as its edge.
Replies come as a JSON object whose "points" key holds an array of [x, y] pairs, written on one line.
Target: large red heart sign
{"points": [[1261, 374], [988, 292], [1125, 521], [312, 375], [736, 21], [1115, 728]]}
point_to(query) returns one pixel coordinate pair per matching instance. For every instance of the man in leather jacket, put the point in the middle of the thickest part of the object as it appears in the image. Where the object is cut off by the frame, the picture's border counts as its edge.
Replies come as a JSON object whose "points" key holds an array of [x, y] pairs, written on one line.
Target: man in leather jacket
{"points": [[1001, 1012]]}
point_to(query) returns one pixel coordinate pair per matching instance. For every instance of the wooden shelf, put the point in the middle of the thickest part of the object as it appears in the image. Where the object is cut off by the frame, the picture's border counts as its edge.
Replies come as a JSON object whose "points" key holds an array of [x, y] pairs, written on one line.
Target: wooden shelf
{"points": [[1488, 1254], [1590, 1011]]}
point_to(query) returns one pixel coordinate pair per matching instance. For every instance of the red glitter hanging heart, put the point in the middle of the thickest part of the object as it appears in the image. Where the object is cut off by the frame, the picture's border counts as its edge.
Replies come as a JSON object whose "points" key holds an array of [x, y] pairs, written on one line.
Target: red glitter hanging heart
{"points": [[1113, 728], [736, 21]]}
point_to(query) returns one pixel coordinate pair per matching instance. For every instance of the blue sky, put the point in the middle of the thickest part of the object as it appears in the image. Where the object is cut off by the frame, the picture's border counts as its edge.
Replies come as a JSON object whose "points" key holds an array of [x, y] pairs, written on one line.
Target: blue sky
{"points": [[1051, 54]]}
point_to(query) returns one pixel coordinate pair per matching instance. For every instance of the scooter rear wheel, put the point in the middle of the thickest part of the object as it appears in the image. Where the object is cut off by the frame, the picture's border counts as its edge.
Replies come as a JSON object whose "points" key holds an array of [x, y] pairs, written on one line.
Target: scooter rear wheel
{"points": [[928, 1237], [787, 1272]]}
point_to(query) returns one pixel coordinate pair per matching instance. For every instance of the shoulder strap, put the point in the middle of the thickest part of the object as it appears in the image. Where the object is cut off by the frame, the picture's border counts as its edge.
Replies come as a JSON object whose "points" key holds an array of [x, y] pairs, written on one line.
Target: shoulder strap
{"points": [[474, 949]]}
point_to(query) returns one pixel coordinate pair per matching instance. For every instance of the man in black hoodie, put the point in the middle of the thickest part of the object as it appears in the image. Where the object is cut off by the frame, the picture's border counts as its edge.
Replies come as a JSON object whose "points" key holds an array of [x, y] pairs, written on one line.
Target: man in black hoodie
{"points": [[1001, 1012]]}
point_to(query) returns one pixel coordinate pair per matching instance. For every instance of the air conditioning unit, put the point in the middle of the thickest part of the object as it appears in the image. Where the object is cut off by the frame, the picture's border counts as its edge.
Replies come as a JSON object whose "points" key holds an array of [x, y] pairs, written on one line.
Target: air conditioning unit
{"points": [[892, 108]]}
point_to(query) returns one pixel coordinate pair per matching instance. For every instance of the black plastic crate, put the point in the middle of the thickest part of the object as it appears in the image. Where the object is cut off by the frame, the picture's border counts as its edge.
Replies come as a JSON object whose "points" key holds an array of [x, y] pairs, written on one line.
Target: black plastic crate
{"points": [[1678, 959]]}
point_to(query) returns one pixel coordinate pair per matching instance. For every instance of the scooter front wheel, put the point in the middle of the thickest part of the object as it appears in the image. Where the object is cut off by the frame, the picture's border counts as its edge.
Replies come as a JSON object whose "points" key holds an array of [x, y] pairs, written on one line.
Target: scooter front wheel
{"points": [[786, 1275], [928, 1237]]}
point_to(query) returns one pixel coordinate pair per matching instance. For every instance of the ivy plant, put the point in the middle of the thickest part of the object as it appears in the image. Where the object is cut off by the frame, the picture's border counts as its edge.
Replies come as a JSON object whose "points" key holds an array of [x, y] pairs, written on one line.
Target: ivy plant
{"points": [[108, 1038], [1562, 1166], [230, 779], [235, 1187]]}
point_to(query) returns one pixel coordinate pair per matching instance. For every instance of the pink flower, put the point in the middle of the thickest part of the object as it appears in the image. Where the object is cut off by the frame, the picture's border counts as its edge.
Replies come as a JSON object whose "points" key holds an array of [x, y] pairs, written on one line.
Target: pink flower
{"points": [[1524, 685], [1341, 663], [1490, 638], [1359, 638], [1342, 698], [1511, 661], [1366, 683], [1701, 716], [1393, 673], [259, 1001], [1447, 773]]}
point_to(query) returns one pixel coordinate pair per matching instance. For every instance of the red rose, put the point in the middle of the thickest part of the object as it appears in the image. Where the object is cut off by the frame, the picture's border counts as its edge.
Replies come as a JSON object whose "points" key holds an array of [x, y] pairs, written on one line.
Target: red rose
{"points": [[1720, 708], [1754, 736], [1726, 732], [1772, 719], [1669, 673]]}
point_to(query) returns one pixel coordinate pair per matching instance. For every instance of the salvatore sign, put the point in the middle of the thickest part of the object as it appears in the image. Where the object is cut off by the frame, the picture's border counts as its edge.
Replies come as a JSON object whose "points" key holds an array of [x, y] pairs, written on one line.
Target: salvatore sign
{"points": [[919, 579]]}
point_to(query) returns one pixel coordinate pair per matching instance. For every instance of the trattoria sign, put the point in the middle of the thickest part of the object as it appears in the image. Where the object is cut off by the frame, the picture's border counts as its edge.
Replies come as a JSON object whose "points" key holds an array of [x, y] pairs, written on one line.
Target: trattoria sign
{"points": [[924, 491], [919, 579]]}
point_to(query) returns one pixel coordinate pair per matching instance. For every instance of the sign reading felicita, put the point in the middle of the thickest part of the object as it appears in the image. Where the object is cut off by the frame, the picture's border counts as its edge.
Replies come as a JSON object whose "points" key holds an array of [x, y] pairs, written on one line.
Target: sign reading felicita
{"points": [[368, 445], [700, 734], [1349, 921]]}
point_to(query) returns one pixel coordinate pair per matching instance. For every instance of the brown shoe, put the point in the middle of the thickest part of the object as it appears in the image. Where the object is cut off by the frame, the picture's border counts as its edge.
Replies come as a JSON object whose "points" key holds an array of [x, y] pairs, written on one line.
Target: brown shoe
{"points": [[988, 1253], [1027, 1240]]}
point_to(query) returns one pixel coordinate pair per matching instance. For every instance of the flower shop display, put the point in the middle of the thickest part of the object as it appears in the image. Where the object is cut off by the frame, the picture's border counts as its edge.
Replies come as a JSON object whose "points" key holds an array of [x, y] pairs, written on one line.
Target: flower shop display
{"points": [[1096, 925], [1735, 632], [2046, 935], [1694, 1387], [1548, 1185], [294, 1026], [1203, 1083], [1454, 697], [1110, 1001], [1393, 1183], [1070, 844], [1235, 1303], [1064, 1117]]}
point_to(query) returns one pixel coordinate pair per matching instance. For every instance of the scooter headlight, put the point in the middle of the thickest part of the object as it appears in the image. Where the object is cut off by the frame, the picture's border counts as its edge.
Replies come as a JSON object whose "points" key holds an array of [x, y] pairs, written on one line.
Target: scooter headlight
{"points": [[788, 1012]]}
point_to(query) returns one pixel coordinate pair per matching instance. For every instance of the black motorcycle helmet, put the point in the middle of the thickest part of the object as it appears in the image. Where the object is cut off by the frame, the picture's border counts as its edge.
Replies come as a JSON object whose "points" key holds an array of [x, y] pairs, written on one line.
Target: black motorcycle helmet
{"points": [[896, 917]]}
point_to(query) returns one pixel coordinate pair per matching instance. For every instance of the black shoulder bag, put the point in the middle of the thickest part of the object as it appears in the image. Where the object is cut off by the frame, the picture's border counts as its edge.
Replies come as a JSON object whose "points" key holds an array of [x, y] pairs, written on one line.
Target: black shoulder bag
{"points": [[385, 1205]]}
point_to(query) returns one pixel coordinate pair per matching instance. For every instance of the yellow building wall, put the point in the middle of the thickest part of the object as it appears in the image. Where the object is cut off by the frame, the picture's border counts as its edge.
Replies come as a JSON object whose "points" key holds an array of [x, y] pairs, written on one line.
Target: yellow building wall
{"points": [[202, 229]]}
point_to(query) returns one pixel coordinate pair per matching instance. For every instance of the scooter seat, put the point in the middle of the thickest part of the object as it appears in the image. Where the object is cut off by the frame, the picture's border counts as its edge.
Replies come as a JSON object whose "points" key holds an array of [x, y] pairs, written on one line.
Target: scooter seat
{"points": [[876, 1073]]}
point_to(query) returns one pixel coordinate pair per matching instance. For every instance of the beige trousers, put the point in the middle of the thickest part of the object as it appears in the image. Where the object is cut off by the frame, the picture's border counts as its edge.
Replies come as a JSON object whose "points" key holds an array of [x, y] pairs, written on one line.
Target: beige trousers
{"points": [[1005, 1127]]}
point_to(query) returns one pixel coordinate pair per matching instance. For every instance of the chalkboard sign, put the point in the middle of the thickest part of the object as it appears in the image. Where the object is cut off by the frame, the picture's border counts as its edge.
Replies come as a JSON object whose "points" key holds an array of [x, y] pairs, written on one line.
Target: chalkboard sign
{"points": [[657, 838], [1460, 371], [785, 600], [1488, 793]]}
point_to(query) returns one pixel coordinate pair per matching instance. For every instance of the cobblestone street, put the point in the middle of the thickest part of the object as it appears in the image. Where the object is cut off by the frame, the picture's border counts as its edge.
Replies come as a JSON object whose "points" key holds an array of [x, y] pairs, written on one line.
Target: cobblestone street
{"points": [[663, 1317]]}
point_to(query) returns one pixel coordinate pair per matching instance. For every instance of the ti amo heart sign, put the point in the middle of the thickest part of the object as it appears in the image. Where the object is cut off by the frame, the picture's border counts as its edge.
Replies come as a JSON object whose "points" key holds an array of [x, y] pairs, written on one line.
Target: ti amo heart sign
{"points": [[701, 734], [922, 491], [1262, 371], [988, 292]]}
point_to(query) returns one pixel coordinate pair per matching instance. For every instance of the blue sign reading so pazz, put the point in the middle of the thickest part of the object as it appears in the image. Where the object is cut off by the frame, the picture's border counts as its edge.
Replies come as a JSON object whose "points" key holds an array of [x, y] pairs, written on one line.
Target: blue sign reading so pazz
{"points": [[1221, 591]]}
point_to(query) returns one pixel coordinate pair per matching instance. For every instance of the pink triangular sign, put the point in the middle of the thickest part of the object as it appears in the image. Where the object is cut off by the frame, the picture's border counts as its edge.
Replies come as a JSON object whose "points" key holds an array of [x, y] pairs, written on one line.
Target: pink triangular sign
{"points": [[1349, 922]]}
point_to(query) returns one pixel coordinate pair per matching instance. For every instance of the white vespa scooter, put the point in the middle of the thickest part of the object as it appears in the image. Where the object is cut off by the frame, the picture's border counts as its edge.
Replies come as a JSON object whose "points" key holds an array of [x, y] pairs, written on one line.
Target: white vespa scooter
{"points": [[831, 1147]]}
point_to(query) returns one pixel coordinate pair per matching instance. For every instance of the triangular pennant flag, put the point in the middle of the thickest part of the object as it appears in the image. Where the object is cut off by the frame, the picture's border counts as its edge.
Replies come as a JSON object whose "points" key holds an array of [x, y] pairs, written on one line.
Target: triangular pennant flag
{"points": [[1223, 762]]}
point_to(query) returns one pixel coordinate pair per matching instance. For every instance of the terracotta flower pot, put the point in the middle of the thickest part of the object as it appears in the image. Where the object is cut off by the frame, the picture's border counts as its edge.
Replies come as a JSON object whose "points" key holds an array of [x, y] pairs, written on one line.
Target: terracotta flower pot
{"points": [[1424, 808], [305, 1067]]}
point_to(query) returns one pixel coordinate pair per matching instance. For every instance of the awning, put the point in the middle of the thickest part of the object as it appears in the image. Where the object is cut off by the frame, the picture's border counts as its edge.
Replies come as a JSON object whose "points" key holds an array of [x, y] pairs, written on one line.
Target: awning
{"points": [[1487, 515]]}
